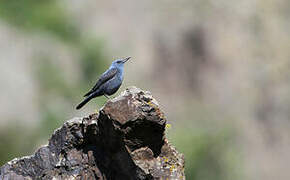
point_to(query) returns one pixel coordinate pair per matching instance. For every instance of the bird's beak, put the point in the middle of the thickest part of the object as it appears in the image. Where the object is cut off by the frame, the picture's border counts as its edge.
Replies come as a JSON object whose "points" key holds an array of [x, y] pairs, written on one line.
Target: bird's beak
{"points": [[126, 59]]}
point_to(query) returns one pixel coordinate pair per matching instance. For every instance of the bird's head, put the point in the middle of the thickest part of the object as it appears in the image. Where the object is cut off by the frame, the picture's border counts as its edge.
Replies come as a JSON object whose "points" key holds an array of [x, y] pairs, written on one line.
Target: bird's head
{"points": [[120, 62]]}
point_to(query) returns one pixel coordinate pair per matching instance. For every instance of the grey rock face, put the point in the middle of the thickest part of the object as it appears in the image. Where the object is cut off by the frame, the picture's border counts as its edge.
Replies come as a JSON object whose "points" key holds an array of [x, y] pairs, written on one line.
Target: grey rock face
{"points": [[125, 140]]}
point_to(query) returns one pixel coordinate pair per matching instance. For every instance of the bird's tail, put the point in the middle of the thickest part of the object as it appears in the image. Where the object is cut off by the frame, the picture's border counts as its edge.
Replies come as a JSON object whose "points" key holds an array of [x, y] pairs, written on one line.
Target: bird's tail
{"points": [[85, 101]]}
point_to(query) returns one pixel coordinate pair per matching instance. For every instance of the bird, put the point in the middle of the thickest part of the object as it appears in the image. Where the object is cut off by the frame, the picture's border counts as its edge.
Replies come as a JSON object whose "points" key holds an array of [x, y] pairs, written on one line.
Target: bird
{"points": [[108, 83]]}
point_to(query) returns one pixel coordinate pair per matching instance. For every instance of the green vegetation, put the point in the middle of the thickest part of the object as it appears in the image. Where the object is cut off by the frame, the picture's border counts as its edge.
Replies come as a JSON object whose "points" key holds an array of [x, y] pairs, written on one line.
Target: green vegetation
{"points": [[55, 96], [40, 15], [15, 141], [208, 156]]}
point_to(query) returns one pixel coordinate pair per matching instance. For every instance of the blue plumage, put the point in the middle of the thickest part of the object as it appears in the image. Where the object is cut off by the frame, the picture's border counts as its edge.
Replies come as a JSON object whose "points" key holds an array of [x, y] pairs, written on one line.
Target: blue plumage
{"points": [[109, 82]]}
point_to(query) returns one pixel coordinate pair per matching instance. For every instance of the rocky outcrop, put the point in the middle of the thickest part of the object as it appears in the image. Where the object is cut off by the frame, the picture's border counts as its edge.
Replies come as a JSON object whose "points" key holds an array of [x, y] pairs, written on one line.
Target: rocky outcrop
{"points": [[125, 140]]}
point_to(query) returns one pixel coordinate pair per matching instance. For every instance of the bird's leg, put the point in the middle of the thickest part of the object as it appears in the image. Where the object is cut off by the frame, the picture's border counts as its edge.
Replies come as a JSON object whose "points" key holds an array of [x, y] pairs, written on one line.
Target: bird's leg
{"points": [[106, 96]]}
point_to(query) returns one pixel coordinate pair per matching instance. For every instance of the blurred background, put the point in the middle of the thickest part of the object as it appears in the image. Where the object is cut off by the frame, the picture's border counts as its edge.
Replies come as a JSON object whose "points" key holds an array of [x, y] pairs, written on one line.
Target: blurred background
{"points": [[219, 69]]}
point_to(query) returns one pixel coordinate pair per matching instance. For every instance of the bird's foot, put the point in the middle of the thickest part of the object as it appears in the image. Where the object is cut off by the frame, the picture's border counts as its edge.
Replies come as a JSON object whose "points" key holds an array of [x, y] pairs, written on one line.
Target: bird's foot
{"points": [[107, 97]]}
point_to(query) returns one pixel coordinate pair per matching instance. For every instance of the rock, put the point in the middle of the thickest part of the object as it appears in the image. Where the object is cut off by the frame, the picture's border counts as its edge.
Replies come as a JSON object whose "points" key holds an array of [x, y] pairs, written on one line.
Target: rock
{"points": [[125, 140]]}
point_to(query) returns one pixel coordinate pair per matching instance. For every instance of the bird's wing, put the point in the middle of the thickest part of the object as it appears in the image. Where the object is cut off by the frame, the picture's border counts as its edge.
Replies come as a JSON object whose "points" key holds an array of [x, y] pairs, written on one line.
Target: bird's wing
{"points": [[107, 75]]}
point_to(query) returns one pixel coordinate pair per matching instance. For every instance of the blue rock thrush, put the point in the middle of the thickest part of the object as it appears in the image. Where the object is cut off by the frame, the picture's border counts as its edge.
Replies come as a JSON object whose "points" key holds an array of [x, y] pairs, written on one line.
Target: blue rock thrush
{"points": [[109, 82]]}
